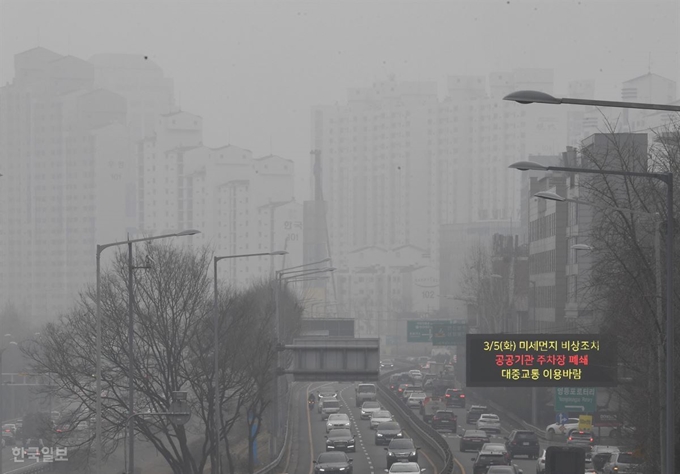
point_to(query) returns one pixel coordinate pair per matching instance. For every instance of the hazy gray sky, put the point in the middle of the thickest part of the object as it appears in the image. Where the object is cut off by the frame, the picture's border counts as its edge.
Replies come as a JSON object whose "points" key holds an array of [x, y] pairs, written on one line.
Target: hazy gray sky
{"points": [[252, 69]]}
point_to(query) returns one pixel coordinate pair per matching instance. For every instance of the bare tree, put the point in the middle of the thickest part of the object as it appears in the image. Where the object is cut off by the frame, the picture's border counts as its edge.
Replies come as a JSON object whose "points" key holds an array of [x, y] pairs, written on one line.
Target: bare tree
{"points": [[623, 287], [481, 290], [173, 351]]}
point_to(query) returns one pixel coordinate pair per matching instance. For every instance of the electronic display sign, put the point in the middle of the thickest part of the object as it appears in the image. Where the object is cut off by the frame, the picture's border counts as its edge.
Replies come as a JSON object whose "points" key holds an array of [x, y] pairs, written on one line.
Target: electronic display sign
{"points": [[541, 360]]}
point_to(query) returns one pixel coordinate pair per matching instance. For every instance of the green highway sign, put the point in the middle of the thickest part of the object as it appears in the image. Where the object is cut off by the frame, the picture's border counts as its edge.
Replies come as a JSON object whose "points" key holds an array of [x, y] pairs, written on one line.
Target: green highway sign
{"points": [[418, 331], [448, 333], [575, 399]]}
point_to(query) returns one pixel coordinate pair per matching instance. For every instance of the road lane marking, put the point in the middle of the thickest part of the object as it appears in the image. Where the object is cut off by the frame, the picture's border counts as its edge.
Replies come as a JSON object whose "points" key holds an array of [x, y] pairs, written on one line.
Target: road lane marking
{"points": [[462, 469], [309, 425]]}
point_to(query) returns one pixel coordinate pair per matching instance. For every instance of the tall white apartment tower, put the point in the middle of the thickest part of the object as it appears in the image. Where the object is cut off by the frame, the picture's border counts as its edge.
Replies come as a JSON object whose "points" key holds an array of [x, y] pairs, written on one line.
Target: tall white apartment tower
{"points": [[65, 157]]}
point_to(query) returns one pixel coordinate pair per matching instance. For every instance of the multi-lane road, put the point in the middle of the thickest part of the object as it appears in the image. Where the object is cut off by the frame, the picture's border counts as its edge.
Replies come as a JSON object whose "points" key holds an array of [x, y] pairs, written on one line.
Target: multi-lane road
{"points": [[308, 435]]}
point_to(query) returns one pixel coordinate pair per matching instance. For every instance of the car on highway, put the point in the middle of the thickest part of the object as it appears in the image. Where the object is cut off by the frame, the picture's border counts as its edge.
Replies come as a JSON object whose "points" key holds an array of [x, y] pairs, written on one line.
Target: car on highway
{"points": [[489, 422], [472, 440], [623, 462], [401, 450], [523, 442], [386, 432], [582, 439], [382, 416], [600, 454], [10, 426], [403, 386], [387, 364], [405, 467], [415, 374], [368, 408], [365, 392], [333, 463], [8, 435], [511, 469], [33, 448], [445, 420], [340, 439], [473, 413], [540, 463], [455, 397], [396, 380], [557, 429], [325, 395], [500, 447], [407, 393], [329, 407], [337, 420], [487, 458], [416, 399]]}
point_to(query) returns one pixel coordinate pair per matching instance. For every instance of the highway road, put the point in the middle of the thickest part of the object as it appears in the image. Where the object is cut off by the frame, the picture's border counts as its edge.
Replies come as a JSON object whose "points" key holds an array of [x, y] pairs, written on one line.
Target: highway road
{"points": [[10, 466], [309, 434]]}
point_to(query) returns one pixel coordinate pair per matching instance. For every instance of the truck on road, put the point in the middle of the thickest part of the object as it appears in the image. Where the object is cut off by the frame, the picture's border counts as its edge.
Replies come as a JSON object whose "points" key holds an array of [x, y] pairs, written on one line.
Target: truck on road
{"points": [[365, 392]]}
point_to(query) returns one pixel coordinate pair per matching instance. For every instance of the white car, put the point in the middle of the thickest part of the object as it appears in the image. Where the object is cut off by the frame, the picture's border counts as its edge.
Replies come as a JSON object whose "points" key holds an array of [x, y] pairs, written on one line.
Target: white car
{"points": [[540, 464], [337, 420], [381, 416], [489, 422], [415, 374], [368, 408], [556, 429], [416, 399], [405, 467]]}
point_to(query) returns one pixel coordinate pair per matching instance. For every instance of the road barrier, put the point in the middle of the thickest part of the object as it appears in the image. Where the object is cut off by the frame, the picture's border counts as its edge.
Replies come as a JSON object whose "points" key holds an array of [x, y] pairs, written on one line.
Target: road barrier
{"points": [[286, 441], [431, 437]]}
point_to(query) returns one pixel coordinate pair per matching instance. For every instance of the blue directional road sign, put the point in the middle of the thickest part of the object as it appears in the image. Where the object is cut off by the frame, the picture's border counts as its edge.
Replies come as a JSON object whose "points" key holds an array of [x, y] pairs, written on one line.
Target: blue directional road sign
{"points": [[562, 418]]}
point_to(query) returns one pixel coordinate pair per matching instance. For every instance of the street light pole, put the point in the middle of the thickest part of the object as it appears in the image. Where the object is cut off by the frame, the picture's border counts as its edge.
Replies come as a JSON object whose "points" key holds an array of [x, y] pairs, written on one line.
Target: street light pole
{"points": [[658, 291], [216, 360], [98, 317], [279, 278], [666, 178], [534, 397]]}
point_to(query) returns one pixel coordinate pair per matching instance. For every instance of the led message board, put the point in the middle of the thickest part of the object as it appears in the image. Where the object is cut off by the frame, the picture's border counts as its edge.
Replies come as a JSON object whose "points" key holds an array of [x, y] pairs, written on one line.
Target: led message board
{"points": [[541, 360]]}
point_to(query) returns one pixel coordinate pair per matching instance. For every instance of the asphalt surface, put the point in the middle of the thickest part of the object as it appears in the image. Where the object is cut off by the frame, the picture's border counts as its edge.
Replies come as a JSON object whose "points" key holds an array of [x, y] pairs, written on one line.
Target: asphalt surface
{"points": [[465, 460], [12, 466], [310, 431]]}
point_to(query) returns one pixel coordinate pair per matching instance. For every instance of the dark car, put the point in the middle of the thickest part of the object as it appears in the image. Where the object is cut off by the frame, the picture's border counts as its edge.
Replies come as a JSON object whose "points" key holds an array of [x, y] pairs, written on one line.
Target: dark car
{"points": [[487, 458], [445, 420], [33, 448], [340, 439], [333, 463], [455, 397], [512, 469], [473, 439], [386, 432], [523, 442], [395, 381], [401, 450], [386, 364], [473, 413], [403, 386]]}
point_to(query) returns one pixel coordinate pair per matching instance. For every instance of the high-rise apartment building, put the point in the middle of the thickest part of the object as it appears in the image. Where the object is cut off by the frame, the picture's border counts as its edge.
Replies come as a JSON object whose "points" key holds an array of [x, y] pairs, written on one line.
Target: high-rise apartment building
{"points": [[240, 204], [65, 157], [94, 151], [398, 162]]}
